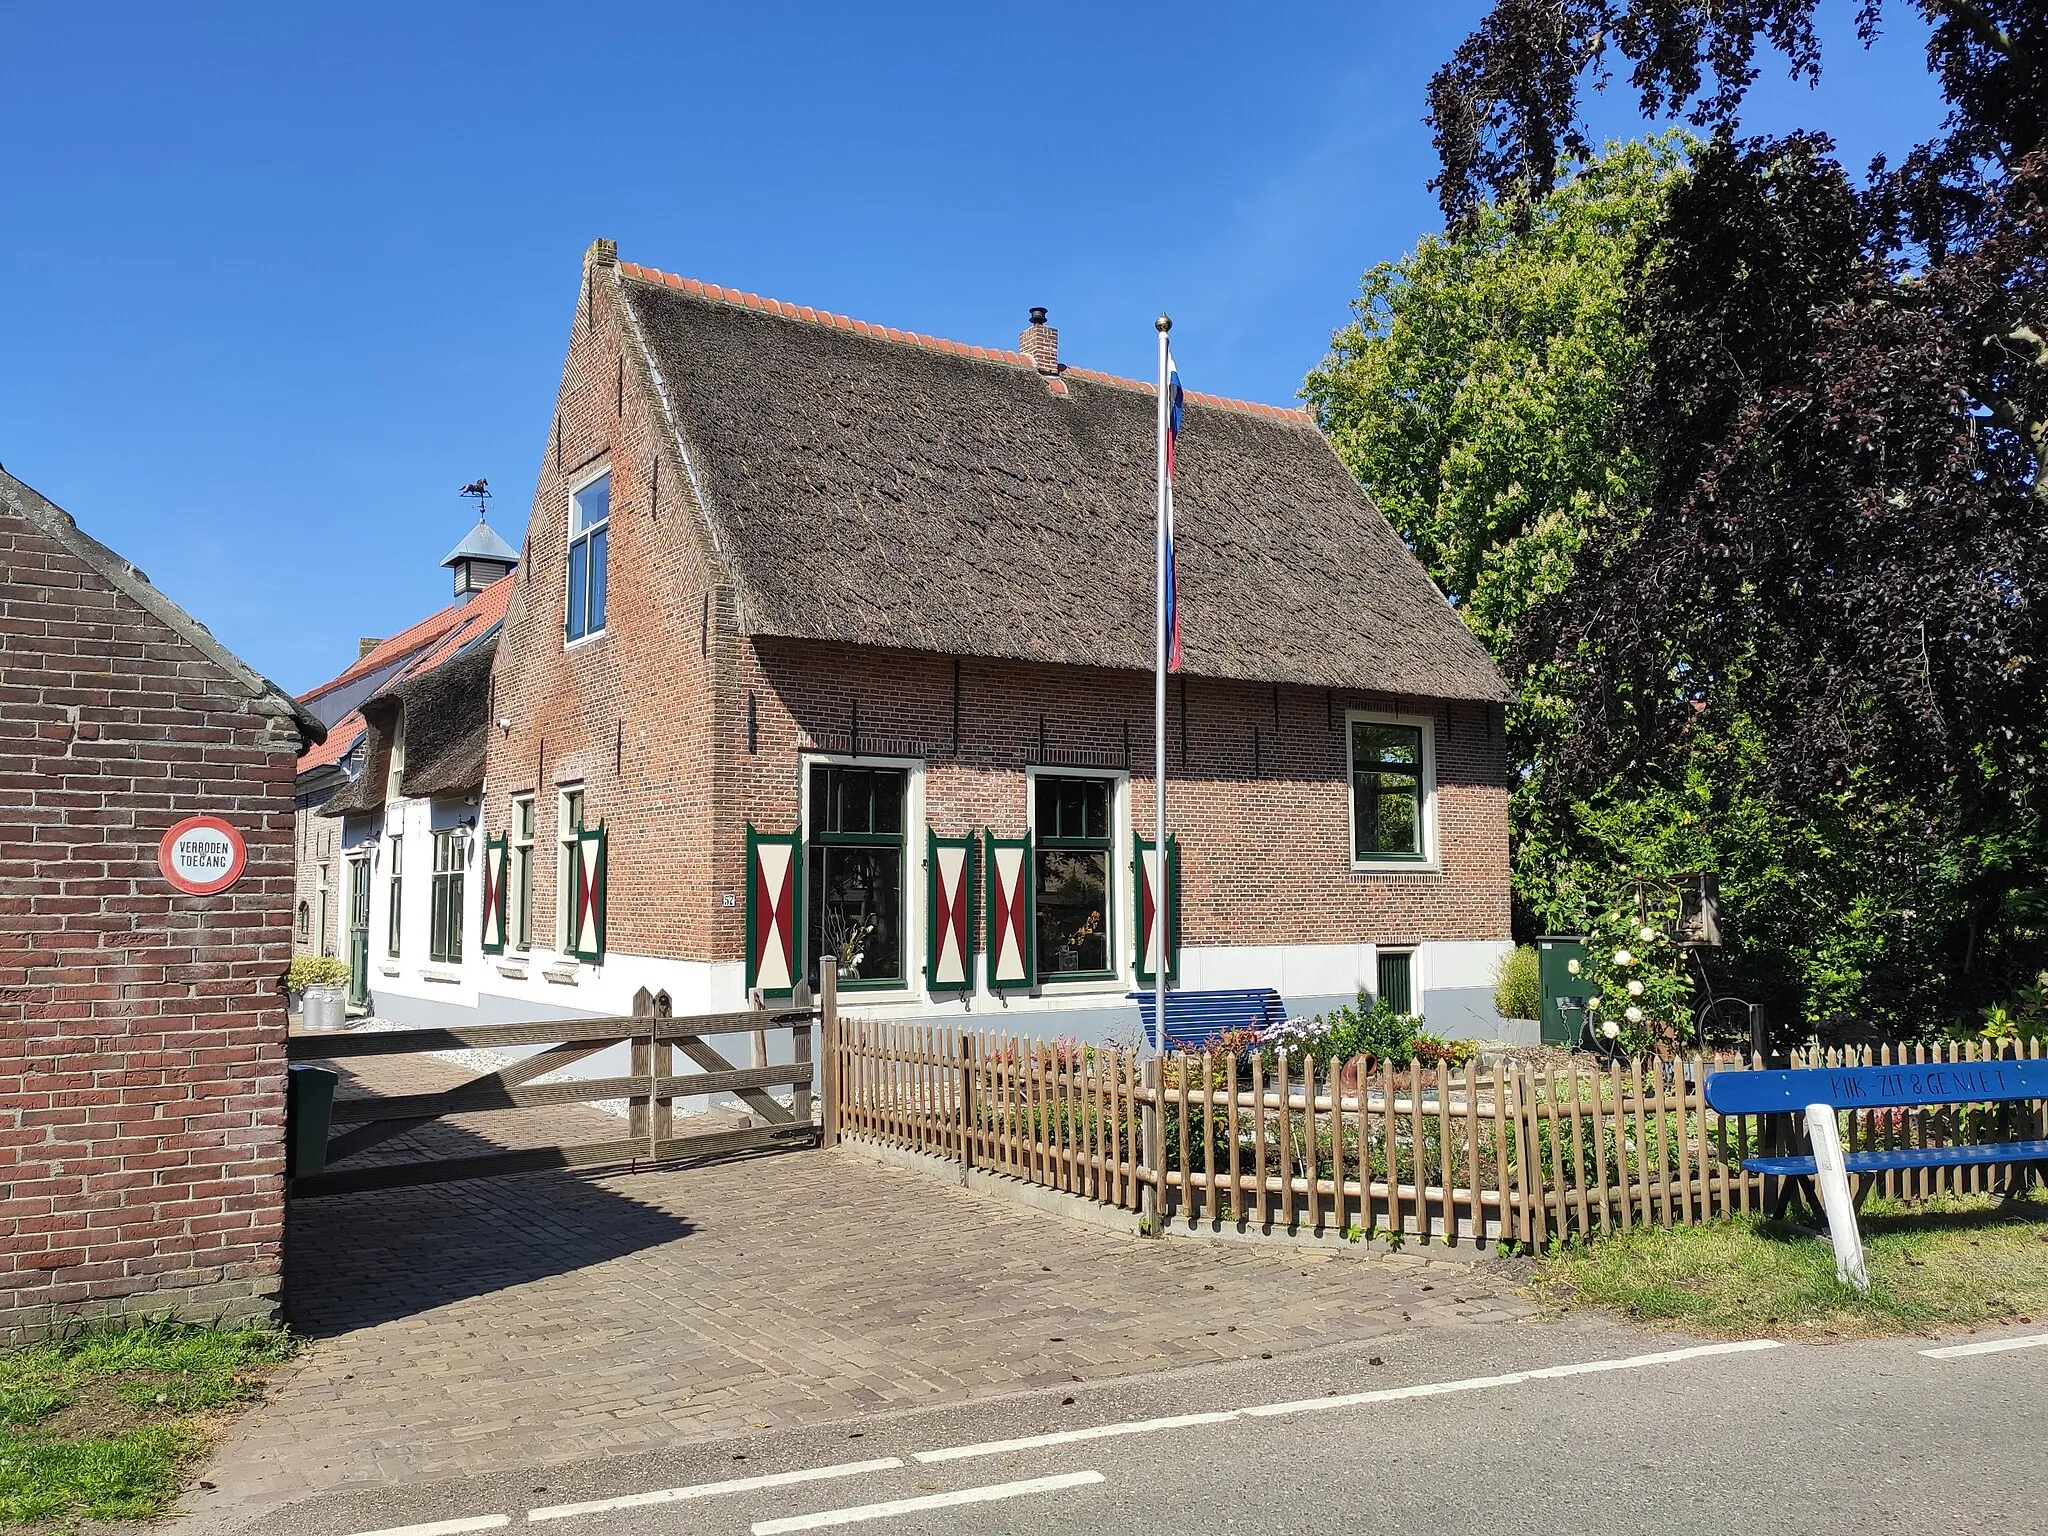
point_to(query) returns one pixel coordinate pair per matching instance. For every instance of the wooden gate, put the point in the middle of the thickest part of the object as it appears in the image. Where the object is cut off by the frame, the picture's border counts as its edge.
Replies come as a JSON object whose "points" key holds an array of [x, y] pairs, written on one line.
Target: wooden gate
{"points": [[650, 1090]]}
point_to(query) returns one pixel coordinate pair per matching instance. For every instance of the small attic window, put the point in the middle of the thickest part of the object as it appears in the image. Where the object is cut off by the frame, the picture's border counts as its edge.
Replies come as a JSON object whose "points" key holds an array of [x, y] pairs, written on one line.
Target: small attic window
{"points": [[590, 510]]}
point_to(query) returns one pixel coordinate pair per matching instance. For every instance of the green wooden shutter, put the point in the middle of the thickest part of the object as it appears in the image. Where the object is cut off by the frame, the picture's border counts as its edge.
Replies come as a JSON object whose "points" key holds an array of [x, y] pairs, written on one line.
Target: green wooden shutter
{"points": [[1397, 981], [590, 895], [1011, 908], [1142, 865], [497, 859], [775, 882], [949, 909]]}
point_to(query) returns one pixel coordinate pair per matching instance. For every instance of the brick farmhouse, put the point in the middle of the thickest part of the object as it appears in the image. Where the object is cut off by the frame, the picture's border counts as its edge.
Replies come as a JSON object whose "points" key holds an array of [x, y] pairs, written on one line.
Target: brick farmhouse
{"points": [[142, 1029], [831, 638]]}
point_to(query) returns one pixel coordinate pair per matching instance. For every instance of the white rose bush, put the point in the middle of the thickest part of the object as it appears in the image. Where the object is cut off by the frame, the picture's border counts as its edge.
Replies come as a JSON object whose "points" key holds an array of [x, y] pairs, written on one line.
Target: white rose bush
{"points": [[1641, 991]]}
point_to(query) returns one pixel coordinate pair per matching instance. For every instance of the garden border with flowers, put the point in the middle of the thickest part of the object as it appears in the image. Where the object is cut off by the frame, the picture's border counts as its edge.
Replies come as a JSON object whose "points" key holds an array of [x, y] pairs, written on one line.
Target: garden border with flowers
{"points": [[1254, 1136]]}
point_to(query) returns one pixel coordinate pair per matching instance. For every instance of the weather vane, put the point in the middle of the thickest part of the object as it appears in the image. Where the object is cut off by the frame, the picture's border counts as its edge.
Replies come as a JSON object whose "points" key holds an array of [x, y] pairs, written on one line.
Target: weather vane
{"points": [[481, 490]]}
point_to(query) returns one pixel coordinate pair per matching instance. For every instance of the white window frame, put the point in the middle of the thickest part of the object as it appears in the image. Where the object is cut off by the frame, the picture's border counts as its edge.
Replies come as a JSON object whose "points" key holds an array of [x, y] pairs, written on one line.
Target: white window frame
{"points": [[583, 482], [1428, 863], [915, 874], [519, 906], [1123, 892]]}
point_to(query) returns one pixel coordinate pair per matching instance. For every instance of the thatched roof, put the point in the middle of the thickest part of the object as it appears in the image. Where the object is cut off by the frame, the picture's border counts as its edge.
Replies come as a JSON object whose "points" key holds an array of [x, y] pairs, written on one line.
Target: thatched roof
{"points": [[882, 489], [446, 710]]}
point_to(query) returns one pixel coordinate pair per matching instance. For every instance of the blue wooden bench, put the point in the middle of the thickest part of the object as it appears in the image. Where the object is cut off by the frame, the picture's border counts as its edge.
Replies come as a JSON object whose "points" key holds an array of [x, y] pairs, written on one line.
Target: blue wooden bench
{"points": [[1819, 1093], [1195, 1018]]}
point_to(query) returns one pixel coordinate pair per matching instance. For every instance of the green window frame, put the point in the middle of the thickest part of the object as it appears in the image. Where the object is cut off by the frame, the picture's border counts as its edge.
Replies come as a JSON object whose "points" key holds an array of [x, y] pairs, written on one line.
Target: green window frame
{"points": [[1073, 877], [1389, 791], [856, 872], [451, 866], [520, 891], [395, 918]]}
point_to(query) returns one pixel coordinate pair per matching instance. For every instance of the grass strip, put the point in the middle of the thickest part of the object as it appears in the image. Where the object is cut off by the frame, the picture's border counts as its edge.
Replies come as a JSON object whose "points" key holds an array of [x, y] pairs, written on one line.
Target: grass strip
{"points": [[1939, 1264], [104, 1423]]}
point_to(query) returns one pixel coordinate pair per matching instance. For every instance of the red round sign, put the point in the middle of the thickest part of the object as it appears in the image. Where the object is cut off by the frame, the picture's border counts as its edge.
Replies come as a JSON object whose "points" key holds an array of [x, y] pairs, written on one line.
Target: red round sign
{"points": [[202, 855]]}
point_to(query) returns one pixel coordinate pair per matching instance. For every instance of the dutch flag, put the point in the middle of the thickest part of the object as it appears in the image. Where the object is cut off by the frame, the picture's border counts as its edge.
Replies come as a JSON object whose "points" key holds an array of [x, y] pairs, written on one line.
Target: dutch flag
{"points": [[1173, 407]]}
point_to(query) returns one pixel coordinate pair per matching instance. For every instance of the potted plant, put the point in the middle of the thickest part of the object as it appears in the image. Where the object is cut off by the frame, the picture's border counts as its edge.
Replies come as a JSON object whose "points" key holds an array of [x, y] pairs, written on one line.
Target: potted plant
{"points": [[318, 987]]}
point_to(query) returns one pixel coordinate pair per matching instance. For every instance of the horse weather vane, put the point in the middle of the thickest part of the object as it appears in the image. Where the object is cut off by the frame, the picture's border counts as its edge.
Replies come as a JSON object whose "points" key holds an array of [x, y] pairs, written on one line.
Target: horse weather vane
{"points": [[481, 490]]}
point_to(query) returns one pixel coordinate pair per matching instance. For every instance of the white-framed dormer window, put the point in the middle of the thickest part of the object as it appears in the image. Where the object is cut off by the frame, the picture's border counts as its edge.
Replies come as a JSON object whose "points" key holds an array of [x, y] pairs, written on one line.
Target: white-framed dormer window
{"points": [[1393, 790], [590, 511]]}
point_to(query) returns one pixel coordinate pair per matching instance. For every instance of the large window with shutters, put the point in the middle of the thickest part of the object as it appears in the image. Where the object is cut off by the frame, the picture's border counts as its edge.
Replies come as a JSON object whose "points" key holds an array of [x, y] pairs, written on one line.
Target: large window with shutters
{"points": [[451, 860], [854, 887], [1392, 784], [1073, 876]]}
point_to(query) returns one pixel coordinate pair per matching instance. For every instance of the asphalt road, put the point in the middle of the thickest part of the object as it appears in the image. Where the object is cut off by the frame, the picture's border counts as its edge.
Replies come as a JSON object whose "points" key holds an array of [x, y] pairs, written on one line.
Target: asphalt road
{"points": [[1618, 1431]]}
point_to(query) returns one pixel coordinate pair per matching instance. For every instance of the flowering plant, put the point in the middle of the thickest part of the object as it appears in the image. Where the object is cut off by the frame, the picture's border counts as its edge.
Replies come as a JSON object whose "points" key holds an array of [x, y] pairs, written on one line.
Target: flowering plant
{"points": [[1637, 992]]}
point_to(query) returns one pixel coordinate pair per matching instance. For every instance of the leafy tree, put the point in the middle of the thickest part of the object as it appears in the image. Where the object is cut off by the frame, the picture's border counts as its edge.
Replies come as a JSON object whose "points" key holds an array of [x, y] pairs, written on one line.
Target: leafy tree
{"points": [[1478, 391], [1824, 635]]}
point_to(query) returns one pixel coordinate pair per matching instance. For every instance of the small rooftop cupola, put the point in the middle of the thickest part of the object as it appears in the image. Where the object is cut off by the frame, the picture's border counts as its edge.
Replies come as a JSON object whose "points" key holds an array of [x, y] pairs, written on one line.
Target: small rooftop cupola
{"points": [[1040, 342], [482, 557]]}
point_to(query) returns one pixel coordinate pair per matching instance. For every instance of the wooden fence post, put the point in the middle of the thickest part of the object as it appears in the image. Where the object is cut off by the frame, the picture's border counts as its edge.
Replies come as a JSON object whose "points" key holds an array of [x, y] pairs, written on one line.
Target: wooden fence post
{"points": [[1154, 1175], [640, 1107], [966, 1105], [828, 1056]]}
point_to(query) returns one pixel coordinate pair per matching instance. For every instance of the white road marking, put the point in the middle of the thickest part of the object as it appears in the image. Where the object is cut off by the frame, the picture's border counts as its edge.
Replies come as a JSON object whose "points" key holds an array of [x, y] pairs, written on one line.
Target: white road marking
{"points": [[1075, 1436], [712, 1490], [1512, 1378], [988, 1493], [1345, 1400], [1988, 1347], [445, 1527]]}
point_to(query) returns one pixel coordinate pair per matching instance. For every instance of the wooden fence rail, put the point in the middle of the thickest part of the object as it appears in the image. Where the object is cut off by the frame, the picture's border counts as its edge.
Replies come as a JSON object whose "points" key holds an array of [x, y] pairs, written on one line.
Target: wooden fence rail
{"points": [[1515, 1152], [650, 1090]]}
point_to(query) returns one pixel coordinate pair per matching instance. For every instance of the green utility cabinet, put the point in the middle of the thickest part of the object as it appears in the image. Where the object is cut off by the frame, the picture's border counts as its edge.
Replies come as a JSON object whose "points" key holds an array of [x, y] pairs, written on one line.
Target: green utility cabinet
{"points": [[308, 1112], [1564, 994]]}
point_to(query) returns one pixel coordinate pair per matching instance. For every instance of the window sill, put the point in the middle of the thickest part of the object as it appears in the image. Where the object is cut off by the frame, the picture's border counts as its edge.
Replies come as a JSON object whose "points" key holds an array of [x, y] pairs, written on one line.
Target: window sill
{"points": [[1086, 986], [562, 974], [581, 641], [514, 970], [1396, 867], [445, 978], [387, 968]]}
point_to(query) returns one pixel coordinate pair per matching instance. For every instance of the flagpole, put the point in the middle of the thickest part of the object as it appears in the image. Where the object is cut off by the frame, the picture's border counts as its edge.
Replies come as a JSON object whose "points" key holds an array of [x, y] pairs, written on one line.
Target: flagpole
{"points": [[1160, 882]]}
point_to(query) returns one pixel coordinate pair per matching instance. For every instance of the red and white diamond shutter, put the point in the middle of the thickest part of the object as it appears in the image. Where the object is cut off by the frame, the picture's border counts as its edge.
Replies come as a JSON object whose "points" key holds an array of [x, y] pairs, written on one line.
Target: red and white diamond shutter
{"points": [[496, 858], [949, 875], [1146, 872], [774, 879], [588, 898], [1011, 918]]}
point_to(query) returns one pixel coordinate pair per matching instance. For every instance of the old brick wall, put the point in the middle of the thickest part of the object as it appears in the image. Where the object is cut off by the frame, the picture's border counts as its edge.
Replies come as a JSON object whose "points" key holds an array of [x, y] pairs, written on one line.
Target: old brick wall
{"points": [[141, 1034], [628, 713]]}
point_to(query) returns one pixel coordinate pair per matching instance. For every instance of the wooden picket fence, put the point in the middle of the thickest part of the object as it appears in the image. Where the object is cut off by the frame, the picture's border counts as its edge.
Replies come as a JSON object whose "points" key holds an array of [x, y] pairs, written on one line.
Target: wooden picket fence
{"points": [[1432, 1153]]}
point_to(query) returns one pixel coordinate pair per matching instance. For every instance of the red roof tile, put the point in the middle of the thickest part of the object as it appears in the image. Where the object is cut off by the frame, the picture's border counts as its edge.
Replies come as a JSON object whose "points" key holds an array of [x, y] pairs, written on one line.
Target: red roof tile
{"points": [[457, 626]]}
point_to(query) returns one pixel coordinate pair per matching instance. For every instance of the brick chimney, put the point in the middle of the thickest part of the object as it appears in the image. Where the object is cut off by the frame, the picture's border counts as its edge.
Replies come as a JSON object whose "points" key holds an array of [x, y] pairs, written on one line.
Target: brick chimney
{"points": [[365, 645], [1040, 342]]}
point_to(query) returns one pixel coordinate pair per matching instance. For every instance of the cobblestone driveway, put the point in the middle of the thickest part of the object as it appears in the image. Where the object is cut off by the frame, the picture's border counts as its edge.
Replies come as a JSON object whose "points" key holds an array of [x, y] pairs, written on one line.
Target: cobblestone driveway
{"points": [[460, 1328]]}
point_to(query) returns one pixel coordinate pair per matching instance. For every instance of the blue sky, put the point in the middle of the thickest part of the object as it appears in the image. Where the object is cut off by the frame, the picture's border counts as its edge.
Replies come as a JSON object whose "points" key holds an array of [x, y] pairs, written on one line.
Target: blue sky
{"points": [[276, 280]]}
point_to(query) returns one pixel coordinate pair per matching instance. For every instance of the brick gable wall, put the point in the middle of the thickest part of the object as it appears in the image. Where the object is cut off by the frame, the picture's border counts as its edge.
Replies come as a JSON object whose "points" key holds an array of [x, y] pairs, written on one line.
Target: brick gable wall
{"points": [[141, 1034]]}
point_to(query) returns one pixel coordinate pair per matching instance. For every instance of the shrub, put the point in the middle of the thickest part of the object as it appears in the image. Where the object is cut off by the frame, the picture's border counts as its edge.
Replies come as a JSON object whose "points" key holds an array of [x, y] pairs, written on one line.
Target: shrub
{"points": [[1517, 989], [1431, 1049], [1369, 1028], [315, 971]]}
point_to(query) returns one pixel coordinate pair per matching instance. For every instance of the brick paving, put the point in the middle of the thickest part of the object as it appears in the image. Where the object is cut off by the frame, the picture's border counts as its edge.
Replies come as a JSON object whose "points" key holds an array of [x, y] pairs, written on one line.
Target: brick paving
{"points": [[462, 1328]]}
